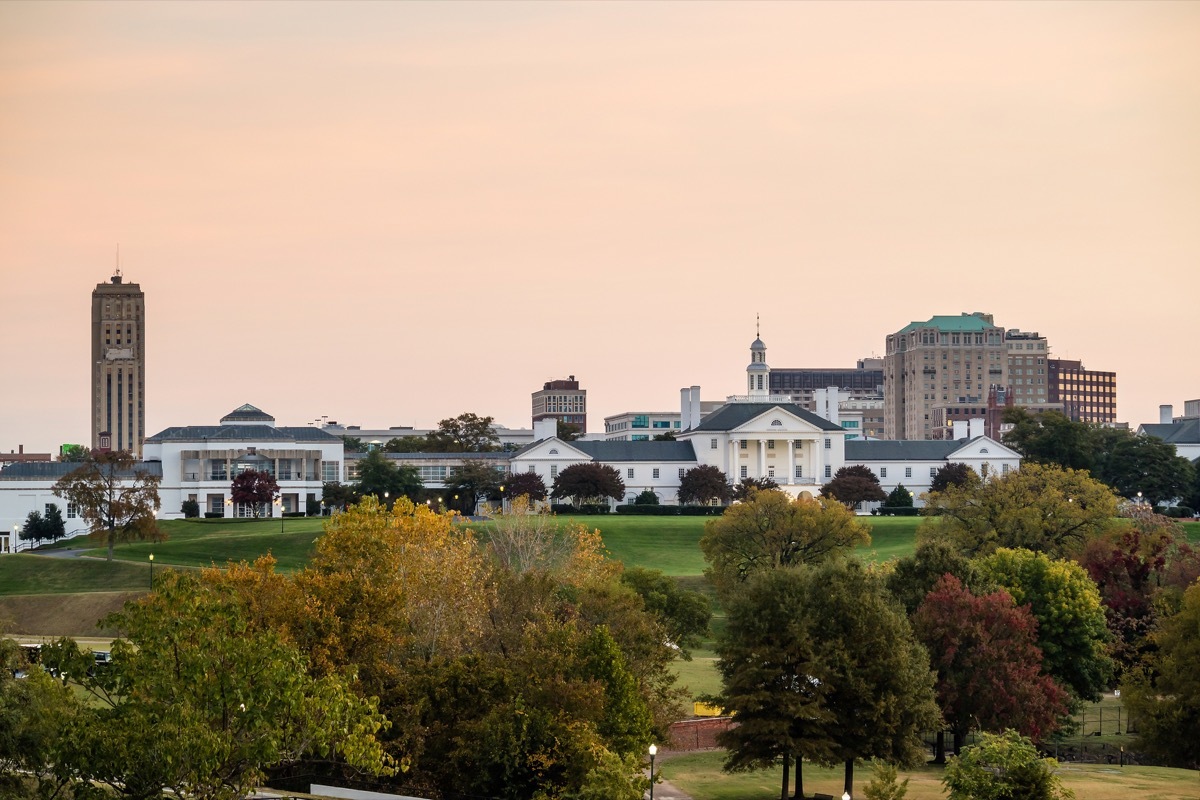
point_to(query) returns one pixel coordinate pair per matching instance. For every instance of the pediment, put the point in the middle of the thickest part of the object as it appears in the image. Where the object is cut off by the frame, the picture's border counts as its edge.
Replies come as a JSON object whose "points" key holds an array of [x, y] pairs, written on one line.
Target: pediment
{"points": [[983, 447], [552, 448], [775, 421]]}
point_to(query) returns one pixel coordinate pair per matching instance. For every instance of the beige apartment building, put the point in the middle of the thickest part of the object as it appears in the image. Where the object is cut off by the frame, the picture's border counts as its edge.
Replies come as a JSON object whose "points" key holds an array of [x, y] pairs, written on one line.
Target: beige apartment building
{"points": [[118, 366]]}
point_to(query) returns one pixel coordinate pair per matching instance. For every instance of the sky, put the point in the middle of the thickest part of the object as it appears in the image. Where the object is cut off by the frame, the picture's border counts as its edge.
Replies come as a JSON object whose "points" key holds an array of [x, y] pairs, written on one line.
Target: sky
{"points": [[392, 213]]}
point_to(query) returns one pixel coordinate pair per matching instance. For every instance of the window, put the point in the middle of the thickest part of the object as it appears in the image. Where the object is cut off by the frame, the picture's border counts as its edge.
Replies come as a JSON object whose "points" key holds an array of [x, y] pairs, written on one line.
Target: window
{"points": [[681, 471], [799, 471], [828, 471], [778, 422], [666, 423], [629, 472], [553, 471], [770, 472], [712, 444], [73, 510], [770, 444], [553, 451], [828, 444], [883, 472], [532, 468], [933, 472], [654, 473], [640, 437], [908, 472], [216, 504], [742, 444], [1004, 469], [744, 473], [331, 471], [641, 421]]}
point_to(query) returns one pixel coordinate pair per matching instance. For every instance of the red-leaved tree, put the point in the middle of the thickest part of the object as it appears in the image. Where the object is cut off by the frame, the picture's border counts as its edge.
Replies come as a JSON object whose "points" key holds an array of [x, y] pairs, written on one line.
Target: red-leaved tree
{"points": [[989, 667], [254, 488]]}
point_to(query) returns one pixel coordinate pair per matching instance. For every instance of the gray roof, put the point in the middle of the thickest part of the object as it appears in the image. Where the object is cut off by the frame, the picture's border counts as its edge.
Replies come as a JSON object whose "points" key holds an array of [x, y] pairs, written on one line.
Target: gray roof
{"points": [[53, 470], [637, 451], [247, 413], [733, 415], [467, 456], [199, 433], [859, 450], [1187, 432]]}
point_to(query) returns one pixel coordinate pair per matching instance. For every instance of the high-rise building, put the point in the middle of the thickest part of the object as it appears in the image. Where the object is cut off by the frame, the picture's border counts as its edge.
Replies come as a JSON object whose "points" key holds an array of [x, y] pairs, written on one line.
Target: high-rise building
{"points": [[562, 400], [942, 360], [1086, 395], [118, 366]]}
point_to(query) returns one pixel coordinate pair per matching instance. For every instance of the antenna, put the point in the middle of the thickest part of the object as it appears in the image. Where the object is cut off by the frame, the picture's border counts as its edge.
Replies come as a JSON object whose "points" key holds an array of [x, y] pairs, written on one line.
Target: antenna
{"points": [[757, 328], [118, 272]]}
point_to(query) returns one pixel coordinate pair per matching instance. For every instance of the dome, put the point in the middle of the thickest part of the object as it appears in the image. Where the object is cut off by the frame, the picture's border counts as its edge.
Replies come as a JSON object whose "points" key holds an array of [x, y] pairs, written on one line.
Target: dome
{"points": [[758, 345]]}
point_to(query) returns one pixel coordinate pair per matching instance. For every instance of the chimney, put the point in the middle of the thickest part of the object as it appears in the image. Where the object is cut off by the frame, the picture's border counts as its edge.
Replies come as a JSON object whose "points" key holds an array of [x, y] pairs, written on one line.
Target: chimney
{"points": [[975, 427], [960, 429], [20, 448], [694, 407], [685, 408], [1165, 413]]}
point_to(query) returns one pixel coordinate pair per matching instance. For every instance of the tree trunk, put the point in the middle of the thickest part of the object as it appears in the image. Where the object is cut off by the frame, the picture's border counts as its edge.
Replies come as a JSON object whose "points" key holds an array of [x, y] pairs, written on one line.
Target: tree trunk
{"points": [[787, 778], [959, 736], [850, 777], [939, 748], [799, 776], [112, 538]]}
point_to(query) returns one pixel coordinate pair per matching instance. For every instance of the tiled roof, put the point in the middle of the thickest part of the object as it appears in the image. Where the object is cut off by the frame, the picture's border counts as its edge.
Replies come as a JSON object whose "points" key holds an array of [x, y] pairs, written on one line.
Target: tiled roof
{"points": [[53, 470], [733, 415], [250, 433], [1187, 432], [637, 451], [964, 322]]}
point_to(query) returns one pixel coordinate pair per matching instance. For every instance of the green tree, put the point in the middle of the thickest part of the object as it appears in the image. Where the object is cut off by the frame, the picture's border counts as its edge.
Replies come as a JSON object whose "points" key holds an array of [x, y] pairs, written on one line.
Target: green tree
{"points": [[899, 498], [953, 474], [746, 486], [1065, 602], [353, 444], [338, 495], [588, 482], [852, 485], [255, 489], [379, 476], [75, 453], [466, 433], [1133, 464], [474, 481], [529, 484], [885, 783], [198, 702], [684, 614], [1050, 438], [704, 484], [646, 497], [1004, 766], [771, 530], [56, 526], [914, 576], [115, 496], [1164, 696], [34, 529], [1046, 509], [665, 436], [568, 431]]}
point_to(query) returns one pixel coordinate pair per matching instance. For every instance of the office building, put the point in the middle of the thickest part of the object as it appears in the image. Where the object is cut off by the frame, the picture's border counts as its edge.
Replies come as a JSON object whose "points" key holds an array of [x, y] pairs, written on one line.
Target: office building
{"points": [[118, 366], [1086, 395], [562, 400]]}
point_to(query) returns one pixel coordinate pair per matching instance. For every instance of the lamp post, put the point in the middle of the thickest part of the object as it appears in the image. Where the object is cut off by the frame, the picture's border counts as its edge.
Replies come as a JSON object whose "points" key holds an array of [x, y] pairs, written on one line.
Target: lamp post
{"points": [[845, 796], [653, 750], [1139, 498], [279, 502], [16, 538], [385, 499], [152, 572]]}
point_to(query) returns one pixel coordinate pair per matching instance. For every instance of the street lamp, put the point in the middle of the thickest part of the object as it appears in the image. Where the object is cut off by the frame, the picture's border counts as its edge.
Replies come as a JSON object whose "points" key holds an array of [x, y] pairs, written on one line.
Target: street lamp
{"points": [[152, 572], [845, 796], [279, 502], [16, 538], [653, 750]]}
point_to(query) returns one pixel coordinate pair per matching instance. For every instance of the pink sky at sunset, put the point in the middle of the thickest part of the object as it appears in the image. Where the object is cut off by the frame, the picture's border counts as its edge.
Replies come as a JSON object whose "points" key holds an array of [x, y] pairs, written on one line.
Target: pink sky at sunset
{"points": [[391, 213]]}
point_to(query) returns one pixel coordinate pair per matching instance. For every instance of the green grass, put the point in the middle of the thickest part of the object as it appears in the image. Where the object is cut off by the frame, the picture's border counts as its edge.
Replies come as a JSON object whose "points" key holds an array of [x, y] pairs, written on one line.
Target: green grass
{"points": [[22, 573], [700, 775]]}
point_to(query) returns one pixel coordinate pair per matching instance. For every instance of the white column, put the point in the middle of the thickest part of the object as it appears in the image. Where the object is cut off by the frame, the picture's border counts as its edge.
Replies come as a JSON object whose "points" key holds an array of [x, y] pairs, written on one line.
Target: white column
{"points": [[791, 462], [819, 459], [732, 458], [762, 458]]}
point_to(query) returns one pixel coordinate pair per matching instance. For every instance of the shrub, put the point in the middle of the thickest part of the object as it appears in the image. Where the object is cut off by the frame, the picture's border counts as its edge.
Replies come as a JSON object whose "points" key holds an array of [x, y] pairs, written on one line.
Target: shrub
{"points": [[649, 511], [702, 511], [214, 514], [884, 784], [563, 508], [312, 507], [190, 509], [646, 498]]}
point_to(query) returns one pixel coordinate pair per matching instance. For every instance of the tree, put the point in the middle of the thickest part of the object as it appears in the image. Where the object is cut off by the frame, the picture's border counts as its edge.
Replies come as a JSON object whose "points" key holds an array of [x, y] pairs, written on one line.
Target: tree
{"points": [[379, 476], [704, 484], [746, 486], [567, 431], [647, 497], [885, 783], [198, 702], [255, 489], [684, 614], [1145, 465], [473, 481], [1164, 697], [1003, 766], [588, 482], [816, 661], [190, 508], [665, 436], [466, 433], [338, 495], [353, 444], [1045, 509], [899, 498], [115, 497], [771, 530], [955, 473], [853, 485], [1071, 630], [55, 525], [34, 529], [1050, 438], [528, 484], [522, 541], [75, 453], [989, 668], [914, 576]]}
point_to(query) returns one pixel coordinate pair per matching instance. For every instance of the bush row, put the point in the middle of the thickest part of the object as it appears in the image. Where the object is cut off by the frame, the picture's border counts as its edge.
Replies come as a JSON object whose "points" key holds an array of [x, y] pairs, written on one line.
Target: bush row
{"points": [[672, 511], [896, 511], [1180, 512]]}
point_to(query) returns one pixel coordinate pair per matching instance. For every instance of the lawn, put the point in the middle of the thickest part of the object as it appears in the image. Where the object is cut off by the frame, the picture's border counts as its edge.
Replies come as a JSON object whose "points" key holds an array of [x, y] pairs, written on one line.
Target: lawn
{"points": [[22, 573], [700, 775]]}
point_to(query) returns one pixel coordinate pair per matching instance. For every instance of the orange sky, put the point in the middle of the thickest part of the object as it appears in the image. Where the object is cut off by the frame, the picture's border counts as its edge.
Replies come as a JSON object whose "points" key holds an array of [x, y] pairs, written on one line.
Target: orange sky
{"points": [[390, 213]]}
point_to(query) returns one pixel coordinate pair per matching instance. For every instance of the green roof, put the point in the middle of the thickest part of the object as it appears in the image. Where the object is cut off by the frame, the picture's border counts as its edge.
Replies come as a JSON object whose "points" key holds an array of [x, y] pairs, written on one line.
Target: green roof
{"points": [[963, 322]]}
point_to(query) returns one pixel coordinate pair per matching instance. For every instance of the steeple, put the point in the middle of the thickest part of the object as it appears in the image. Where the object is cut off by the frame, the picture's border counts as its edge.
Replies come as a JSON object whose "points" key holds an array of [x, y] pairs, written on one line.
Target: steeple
{"points": [[758, 374]]}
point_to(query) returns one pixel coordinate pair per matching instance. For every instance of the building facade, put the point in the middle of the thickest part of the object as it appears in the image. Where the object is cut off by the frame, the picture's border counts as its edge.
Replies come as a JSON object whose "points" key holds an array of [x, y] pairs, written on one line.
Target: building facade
{"points": [[118, 366], [945, 359], [563, 401], [1086, 395]]}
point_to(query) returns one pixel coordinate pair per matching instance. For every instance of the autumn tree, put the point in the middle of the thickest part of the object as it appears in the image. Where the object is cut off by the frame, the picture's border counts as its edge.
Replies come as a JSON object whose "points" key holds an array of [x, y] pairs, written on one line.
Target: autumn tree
{"points": [[988, 665], [527, 484], [771, 530], [746, 486], [196, 702], [852, 485], [1003, 766], [914, 576], [255, 489], [115, 496], [956, 474], [588, 482], [704, 484], [1045, 509], [523, 540], [1164, 696], [1071, 630]]}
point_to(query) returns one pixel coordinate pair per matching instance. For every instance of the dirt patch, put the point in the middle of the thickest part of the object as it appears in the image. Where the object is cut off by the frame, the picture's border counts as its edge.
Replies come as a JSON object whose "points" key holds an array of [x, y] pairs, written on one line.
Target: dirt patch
{"points": [[60, 614]]}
